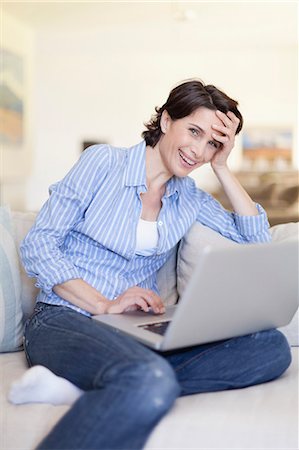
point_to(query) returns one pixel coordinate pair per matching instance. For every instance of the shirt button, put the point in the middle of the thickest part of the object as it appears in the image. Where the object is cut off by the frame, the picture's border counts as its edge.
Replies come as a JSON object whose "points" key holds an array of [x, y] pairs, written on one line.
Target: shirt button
{"points": [[160, 223]]}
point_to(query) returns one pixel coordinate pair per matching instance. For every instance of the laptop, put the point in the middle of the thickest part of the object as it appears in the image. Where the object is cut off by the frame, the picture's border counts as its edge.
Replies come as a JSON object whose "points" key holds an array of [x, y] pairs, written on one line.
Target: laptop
{"points": [[232, 291]]}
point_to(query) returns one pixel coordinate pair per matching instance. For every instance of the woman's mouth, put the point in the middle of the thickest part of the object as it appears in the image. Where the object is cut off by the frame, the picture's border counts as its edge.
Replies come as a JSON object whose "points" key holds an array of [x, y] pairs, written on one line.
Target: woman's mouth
{"points": [[186, 161]]}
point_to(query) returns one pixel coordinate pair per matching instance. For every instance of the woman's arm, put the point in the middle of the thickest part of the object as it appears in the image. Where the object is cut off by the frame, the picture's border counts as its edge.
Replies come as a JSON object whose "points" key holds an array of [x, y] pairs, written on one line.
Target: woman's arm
{"points": [[83, 295], [241, 202], [42, 249], [88, 298], [248, 222]]}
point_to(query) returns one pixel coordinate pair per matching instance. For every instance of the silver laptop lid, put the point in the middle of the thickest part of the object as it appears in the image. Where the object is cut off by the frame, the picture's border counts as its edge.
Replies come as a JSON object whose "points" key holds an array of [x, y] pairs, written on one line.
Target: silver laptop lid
{"points": [[236, 291]]}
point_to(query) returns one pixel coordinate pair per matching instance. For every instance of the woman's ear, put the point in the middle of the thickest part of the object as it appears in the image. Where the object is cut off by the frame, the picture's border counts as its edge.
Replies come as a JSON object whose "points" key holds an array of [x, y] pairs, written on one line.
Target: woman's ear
{"points": [[164, 121]]}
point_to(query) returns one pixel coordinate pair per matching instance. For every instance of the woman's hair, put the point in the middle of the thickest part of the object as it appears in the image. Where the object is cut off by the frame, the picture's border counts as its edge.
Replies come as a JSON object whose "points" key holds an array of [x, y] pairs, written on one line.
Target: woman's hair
{"points": [[183, 100]]}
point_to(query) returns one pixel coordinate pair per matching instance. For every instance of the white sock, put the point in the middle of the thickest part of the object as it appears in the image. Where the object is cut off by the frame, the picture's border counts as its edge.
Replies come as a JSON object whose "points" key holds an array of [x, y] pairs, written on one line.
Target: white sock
{"points": [[40, 385]]}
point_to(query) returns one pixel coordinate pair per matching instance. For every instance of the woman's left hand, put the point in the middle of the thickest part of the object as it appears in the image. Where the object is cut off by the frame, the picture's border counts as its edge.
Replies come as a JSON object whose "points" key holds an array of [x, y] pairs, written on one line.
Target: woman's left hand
{"points": [[226, 136]]}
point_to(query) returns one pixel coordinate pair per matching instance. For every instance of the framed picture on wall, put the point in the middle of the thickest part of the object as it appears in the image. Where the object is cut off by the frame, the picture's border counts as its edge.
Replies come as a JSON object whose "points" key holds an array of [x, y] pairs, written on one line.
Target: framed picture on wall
{"points": [[15, 149], [11, 99], [267, 147]]}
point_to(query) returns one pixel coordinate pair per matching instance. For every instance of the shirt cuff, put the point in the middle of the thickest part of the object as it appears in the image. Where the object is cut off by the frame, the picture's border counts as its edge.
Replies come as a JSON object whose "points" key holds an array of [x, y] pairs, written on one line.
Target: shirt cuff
{"points": [[253, 225], [57, 278]]}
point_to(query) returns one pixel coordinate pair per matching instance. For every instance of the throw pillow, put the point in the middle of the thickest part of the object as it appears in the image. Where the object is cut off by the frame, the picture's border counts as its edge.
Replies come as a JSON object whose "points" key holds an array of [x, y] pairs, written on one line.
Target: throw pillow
{"points": [[198, 237], [167, 280], [288, 232], [11, 318], [285, 231]]}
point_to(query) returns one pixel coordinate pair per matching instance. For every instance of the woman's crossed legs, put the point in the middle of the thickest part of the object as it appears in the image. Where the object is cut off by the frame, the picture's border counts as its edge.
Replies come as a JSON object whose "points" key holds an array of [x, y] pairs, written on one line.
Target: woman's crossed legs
{"points": [[122, 389]]}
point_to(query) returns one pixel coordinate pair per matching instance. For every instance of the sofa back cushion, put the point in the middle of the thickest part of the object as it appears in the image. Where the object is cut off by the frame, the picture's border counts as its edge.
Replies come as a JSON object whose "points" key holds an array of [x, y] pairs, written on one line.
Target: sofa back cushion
{"points": [[167, 279], [11, 317], [198, 237]]}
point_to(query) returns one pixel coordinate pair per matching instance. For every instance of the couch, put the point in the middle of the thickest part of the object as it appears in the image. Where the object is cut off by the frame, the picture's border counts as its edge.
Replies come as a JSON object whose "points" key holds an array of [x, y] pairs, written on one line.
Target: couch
{"points": [[259, 417], [278, 192]]}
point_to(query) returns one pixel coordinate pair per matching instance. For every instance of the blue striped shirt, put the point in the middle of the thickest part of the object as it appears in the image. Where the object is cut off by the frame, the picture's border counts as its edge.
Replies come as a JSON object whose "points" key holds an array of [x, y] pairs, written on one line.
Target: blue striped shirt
{"points": [[87, 228]]}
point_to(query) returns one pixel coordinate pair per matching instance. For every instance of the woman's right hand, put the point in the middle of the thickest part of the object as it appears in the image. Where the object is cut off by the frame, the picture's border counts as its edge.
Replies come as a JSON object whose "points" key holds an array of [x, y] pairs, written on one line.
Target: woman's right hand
{"points": [[136, 298]]}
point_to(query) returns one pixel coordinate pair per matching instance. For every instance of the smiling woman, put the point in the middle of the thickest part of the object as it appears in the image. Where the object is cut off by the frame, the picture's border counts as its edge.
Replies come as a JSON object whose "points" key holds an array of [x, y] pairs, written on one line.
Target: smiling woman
{"points": [[96, 248], [195, 126]]}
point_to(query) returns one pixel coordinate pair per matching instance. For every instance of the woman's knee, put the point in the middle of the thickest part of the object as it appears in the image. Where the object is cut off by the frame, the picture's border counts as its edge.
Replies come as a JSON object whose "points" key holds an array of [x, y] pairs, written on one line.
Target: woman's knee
{"points": [[161, 386], [275, 353], [151, 382], [284, 355]]}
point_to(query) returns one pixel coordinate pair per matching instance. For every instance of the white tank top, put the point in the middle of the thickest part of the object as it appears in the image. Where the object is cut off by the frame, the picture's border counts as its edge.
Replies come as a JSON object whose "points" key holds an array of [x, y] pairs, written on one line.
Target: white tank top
{"points": [[146, 238]]}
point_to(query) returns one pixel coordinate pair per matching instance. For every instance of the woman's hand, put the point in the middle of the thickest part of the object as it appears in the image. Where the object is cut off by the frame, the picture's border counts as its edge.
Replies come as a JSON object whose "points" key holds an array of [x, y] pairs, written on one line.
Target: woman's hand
{"points": [[136, 298], [226, 136]]}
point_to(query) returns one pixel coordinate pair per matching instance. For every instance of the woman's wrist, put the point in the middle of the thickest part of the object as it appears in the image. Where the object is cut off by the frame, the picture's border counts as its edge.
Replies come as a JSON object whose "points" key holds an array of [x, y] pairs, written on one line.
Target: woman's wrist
{"points": [[241, 202], [101, 306], [219, 170], [81, 294]]}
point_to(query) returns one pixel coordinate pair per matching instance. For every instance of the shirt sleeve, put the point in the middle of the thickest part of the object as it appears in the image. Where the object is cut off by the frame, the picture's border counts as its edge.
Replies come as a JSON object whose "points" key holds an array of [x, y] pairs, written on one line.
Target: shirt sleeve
{"points": [[242, 229], [41, 250]]}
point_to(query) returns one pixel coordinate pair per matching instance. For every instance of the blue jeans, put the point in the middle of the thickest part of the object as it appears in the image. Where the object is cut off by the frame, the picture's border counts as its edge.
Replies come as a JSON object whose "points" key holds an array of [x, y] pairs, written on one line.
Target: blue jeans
{"points": [[128, 387]]}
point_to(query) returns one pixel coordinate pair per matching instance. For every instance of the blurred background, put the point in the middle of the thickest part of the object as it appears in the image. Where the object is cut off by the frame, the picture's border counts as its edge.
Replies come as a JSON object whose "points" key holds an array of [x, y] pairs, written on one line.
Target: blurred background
{"points": [[74, 73]]}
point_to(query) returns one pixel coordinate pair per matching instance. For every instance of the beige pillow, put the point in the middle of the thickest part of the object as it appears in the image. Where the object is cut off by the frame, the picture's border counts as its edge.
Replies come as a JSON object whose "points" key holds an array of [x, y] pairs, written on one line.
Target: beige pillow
{"points": [[198, 237], [289, 232], [285, 231], [167, 279]]}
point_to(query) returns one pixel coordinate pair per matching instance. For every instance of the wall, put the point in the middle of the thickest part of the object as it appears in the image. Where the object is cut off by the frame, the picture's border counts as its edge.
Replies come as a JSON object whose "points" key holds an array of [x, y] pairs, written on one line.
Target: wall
{"points": [[103, 83], [16, 161]]}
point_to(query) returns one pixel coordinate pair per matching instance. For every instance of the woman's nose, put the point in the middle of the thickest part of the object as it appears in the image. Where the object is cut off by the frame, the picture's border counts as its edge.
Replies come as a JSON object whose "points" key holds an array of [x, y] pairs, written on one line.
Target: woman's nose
{"points": [[198, 151]]}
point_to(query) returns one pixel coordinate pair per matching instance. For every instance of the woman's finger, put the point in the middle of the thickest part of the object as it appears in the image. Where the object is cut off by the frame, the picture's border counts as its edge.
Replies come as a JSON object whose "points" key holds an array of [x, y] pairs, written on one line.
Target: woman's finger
{"points": [[224, 118], [229, 120], [224, 131], [140, 297], [154, 301], [233, 118], [123, 303], [223, 139]]}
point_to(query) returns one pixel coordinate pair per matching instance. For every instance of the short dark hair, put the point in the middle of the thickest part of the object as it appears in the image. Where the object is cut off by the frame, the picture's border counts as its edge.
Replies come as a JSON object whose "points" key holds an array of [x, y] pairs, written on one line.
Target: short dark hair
{"points": [[183, 100]]}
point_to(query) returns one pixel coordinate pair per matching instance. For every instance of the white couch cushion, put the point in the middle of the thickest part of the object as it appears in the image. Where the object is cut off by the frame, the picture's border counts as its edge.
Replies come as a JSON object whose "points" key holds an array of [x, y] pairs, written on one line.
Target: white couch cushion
{"points": [[200, 236], [11, 323], [259, 417]]}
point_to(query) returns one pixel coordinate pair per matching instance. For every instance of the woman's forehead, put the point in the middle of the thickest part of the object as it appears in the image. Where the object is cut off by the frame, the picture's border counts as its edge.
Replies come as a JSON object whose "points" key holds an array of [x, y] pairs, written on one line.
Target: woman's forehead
{"points": [[204, 115]]}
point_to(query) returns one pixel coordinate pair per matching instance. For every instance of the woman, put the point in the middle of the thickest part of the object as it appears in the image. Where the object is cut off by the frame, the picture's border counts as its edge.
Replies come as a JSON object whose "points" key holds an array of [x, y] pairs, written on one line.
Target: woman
{"points": [[96, 247]]}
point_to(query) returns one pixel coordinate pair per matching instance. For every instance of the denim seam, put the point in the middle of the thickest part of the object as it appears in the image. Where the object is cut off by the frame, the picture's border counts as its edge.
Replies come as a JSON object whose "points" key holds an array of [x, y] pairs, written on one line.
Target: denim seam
{"points": [[198, 356]]}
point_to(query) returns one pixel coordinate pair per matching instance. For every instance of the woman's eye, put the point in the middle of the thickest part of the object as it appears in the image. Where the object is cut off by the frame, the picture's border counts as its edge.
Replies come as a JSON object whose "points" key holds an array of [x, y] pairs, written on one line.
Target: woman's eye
{"points": [[194, 131], [213, 144]]}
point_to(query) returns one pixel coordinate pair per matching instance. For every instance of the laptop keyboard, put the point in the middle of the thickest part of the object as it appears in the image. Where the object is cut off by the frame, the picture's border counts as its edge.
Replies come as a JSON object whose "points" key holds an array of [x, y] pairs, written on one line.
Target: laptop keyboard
{"points": [[158, 327]]}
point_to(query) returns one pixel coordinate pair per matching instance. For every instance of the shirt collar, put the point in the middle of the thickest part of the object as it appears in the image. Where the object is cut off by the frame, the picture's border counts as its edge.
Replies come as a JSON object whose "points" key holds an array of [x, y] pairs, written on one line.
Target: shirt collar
{"points": [[136, 171], [173, 186]]}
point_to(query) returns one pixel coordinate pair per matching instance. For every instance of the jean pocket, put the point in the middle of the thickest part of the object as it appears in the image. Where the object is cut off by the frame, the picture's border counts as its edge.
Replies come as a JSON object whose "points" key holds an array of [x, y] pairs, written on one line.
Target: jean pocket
{"points": [[34, 321], [25, 346]]}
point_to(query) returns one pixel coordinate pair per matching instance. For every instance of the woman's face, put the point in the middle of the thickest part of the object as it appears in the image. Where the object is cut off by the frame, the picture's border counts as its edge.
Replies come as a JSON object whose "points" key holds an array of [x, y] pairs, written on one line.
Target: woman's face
{"points": [[187, 143]]}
